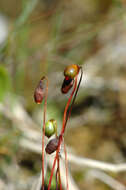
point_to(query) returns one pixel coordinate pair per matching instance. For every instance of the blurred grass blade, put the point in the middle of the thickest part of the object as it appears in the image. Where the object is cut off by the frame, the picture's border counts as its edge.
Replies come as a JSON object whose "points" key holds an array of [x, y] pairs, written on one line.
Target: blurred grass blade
{"points": [[4, 82], [27, 10]]}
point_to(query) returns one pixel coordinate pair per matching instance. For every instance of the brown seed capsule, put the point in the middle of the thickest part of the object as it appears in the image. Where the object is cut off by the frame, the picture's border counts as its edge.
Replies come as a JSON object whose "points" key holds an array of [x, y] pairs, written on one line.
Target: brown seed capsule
{"points": [[52, 146], [71, 71], [39, 92], [67, 85]]}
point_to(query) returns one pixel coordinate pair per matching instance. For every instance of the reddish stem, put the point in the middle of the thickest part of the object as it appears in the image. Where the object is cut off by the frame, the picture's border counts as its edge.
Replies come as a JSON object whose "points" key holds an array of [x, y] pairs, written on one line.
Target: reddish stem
{"points": [[65, 119], [67, 106], [71, 106], [54, 162], [57, 179], [43, 130], [62, 132], [58, 168]]}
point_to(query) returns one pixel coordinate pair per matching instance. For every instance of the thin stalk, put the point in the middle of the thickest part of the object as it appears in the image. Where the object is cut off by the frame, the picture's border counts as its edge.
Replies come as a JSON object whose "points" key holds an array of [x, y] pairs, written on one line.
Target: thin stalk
{"points": [[62, 132], [54, 162], [43, 130], [58, 177], [67, 117], [60, 184], [67, 106], [75, 95]]}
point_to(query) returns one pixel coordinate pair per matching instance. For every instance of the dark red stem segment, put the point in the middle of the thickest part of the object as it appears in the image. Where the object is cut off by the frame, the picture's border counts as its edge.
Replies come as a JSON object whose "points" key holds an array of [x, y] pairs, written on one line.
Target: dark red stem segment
{"points": [[43, 129], [65, 119], [58, 169], [54, 162], [62, 132], [71, 106], [67, 106], [57, 179]]}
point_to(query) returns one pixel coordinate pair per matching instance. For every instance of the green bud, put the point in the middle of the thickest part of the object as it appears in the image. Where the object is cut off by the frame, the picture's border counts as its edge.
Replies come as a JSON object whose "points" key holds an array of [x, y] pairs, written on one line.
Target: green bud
{"points": [[50, 128], [54, 124]]}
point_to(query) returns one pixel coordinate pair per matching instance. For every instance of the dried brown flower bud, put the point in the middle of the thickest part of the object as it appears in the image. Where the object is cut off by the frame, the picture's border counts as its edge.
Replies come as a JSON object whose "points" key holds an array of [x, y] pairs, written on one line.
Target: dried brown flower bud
{"points": [[52, 145], [39, 92]]}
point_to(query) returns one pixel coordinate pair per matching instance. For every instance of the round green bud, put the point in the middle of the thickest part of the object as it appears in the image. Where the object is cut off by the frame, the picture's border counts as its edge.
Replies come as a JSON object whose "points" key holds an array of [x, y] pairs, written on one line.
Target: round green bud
{"points": [[54, 124], [50, 128]]}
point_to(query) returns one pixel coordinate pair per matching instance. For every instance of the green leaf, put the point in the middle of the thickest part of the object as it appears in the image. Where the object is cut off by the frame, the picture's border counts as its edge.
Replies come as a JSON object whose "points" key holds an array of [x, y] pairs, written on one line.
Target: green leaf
{"points": [[4, 82]]}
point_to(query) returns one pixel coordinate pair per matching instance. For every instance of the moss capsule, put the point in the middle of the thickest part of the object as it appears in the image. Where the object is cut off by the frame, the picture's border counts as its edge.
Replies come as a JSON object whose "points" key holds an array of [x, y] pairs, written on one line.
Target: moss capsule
{"points": [[52, 145], [50, 128], [39, 92], [71, 71], [54, 124]]}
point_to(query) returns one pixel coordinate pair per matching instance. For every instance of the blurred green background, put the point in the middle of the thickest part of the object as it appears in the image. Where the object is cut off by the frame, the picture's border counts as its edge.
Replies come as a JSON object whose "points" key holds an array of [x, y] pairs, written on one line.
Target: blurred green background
{"points": [[42, 37]]}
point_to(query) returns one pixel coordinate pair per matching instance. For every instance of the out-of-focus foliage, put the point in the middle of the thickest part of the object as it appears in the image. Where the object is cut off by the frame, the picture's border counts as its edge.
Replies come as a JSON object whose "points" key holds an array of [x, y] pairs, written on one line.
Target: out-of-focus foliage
{"points": [[53, 184], [43, 37], [4, 82]]}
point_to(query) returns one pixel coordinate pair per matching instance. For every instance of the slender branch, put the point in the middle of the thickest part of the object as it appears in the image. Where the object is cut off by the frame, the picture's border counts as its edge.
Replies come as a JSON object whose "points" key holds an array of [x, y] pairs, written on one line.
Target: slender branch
{"points": [[110, 181], [80, 161], [87, 162]]}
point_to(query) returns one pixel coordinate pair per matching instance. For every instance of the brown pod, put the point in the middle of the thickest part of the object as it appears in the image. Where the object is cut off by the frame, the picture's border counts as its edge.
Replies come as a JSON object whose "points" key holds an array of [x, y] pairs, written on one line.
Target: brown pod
{"points": [[67, 85], [52, 145], [39, 92]]}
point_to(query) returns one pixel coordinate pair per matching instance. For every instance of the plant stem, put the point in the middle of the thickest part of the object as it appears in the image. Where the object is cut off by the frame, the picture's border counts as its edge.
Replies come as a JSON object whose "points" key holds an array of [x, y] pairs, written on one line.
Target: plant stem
{"points": [[62, 132], [67, 106], [43, 129], [71, 106], [58, 174], [57, 179]]}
